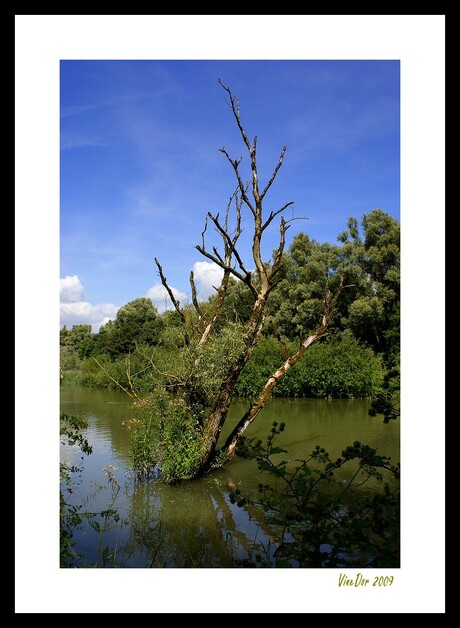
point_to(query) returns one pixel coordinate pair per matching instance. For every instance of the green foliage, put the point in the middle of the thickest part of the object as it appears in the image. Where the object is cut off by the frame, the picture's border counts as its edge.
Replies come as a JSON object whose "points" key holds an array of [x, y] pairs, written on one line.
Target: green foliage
{"points": [[340, 368], [212, 362], [376, 318], [295, 305], [71, 427], [387, 402], [68, 358], [266, 358], [136, 322], [166, 434], [238, 303], [170, 363], [370, 266], [72, 516], [183, 448], [365, 317], [79, 339], [381, 242], [91, 374], [132, 371], [319, 519], [145, 439], [143, 349]]}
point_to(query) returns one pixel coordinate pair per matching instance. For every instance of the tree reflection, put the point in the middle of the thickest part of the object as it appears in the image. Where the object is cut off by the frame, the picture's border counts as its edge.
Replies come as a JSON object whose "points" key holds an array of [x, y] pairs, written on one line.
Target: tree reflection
{"points": [[191, 525]]}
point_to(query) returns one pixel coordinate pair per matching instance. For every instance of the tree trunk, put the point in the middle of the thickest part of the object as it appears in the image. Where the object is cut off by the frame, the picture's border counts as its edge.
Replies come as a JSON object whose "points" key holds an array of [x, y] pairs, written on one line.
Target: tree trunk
{"points": [[232, 440], [218, 414], [221, 404]]}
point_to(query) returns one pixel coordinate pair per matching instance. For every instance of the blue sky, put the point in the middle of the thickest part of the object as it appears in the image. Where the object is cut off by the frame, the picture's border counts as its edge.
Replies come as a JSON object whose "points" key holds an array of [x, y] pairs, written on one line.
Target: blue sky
{"points": [[140, 164]]}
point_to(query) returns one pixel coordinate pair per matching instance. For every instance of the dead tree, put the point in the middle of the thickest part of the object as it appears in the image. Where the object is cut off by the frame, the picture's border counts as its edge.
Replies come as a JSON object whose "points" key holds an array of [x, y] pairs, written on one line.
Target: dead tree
{"points": [[260, 281]]}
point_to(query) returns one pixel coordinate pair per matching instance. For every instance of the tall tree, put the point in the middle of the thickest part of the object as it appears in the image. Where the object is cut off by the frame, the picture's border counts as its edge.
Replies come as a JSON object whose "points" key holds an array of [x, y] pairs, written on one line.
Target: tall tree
{"points": [[210, 405], [373, 314], [137, 322], [370, 267], [296, 306], [77, 339]]}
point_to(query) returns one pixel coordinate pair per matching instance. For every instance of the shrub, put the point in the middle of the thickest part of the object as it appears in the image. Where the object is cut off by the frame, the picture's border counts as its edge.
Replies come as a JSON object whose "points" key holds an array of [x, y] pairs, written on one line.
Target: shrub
{"points": [[166, 436], [320, 520], [340, 368]]}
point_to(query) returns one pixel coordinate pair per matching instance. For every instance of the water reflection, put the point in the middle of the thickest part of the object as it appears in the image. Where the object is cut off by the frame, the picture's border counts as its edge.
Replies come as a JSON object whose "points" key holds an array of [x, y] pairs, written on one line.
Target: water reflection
{"points": [[186, 526], [194, 524]]}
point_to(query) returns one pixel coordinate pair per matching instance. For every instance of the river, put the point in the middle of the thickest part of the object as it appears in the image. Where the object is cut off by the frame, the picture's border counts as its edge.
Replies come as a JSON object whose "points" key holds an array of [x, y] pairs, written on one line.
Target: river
{"points": [[193, 524]]}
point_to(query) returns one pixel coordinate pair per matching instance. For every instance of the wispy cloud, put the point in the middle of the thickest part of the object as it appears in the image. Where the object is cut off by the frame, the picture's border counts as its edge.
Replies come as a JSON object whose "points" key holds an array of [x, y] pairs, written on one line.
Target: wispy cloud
{"points": [[70, 140], [75, 110], [338, 128]]}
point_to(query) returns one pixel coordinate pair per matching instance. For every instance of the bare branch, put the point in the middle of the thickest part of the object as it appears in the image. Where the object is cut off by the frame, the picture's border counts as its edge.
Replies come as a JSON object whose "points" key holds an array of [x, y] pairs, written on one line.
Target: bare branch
{"points": [[229, 243], [278, 166], [242, 187], [221, 293], [175, 302], [274, 214], [255, 178], [217, 254], [235, 107], [128, 375], [114, 380], [246, 278], [169, 291], [297, 218], [238, 229], [279, 253], [238, 205], [195, 298], [330, 302], [204, 231]]}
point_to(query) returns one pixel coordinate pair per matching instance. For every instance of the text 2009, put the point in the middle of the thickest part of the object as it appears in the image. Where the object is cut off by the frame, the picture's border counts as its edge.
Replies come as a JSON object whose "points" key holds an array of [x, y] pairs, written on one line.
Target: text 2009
{"points": [[360, 581]]}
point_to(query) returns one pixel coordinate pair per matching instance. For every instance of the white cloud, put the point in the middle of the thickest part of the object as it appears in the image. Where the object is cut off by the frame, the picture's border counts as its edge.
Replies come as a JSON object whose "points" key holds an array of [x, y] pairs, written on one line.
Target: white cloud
{"points": [[76, 311], [71, 289], [83, 313], [207, 275], [160, 297]]}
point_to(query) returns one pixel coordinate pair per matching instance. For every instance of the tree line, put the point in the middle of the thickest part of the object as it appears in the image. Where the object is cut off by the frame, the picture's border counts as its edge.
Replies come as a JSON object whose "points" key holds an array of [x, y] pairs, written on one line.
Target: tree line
{"points": [[363, 340]]}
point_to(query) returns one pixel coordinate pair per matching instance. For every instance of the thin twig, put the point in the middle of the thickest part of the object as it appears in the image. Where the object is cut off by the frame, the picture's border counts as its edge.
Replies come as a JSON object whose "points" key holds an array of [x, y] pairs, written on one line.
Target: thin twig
{"points": [[113, 379]]}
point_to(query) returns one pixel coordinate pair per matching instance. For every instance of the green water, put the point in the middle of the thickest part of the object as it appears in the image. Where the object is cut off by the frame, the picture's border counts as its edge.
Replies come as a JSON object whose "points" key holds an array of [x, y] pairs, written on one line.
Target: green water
{"points": [[194, 524]]}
